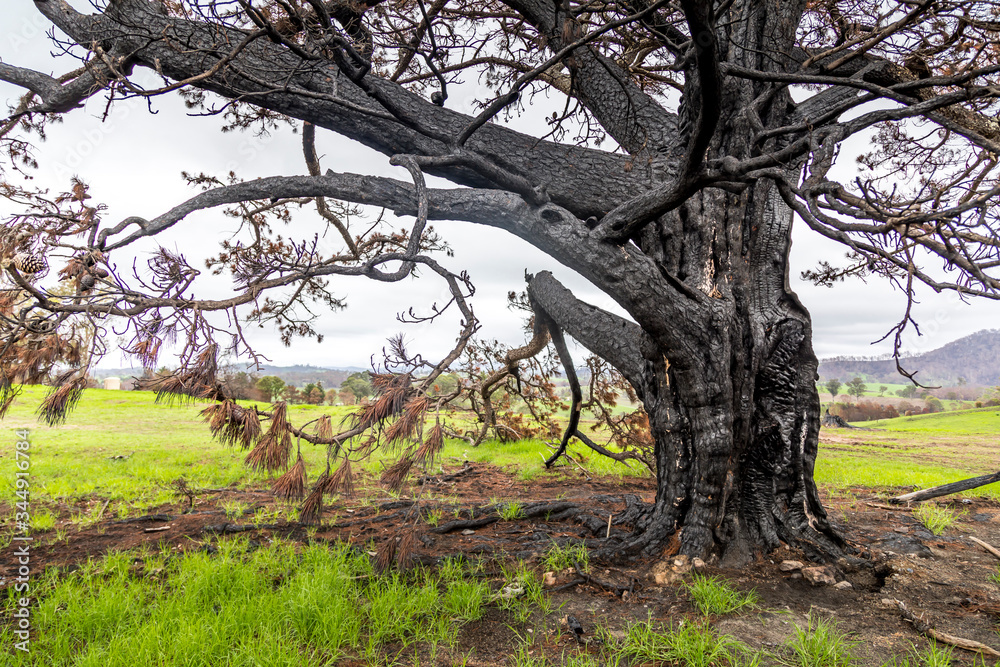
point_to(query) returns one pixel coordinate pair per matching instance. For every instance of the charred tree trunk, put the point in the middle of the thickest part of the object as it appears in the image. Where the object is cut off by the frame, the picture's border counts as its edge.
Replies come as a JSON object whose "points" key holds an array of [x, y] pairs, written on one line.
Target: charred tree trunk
{"points": [[736, 423]]}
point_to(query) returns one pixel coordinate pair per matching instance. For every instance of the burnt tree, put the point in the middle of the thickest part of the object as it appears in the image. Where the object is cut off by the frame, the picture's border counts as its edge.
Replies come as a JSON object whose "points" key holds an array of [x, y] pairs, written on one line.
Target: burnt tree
{"points": [[686, 223]]}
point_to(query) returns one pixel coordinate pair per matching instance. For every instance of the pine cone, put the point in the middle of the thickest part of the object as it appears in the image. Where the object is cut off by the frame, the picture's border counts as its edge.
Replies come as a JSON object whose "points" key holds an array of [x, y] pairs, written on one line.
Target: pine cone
{"points": [[28, 264], [87, 282]]}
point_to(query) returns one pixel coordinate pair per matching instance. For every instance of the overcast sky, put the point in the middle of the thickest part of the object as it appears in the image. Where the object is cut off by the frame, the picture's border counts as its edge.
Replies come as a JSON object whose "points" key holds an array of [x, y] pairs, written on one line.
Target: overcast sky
{"points": [[133, 162]]}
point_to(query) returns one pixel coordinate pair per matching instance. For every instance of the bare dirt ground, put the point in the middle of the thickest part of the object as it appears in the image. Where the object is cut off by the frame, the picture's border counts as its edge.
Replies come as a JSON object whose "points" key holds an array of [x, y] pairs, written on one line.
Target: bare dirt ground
{"points": [[944, 579]]}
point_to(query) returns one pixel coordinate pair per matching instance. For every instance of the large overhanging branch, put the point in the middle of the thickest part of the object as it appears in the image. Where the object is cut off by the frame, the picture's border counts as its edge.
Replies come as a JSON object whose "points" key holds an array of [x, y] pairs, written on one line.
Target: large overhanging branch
{"points": [[273, 77], [909, 92], [57, 95], [551, 228], [567, 51]]}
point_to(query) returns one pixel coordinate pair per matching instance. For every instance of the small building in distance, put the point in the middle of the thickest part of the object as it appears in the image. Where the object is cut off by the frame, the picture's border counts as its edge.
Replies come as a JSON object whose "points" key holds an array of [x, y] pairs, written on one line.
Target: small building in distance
{"points": [[112, 383]]}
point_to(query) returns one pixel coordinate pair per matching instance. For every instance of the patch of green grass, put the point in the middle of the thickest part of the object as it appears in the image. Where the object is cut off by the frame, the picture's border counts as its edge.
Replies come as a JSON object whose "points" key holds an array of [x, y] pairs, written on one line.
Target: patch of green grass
{"points": [[689, 644], [525, 656], [83, 520], [43, 521], [821, 644], [235, 509], [924, 450], [465, 599], [522, 457], [982, 421], [583, 660], [715, 597], [559, 558], [522, 593], [511, 511], [935, 655], [434, 517], [164, 442], [932, 656], [935, 519], [270, 605], [457, 568]]}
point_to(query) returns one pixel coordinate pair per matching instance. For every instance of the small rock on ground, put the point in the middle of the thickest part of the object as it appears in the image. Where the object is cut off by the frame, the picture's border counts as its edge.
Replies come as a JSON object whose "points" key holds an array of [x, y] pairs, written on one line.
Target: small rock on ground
{"points": [[819, 576]]}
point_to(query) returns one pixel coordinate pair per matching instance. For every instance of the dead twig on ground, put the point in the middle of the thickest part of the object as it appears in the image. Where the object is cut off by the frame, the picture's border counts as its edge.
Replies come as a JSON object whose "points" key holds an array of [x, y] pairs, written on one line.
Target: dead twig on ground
{"points": [[927, 629], [889, 507], [613, 588], [993, 550]]}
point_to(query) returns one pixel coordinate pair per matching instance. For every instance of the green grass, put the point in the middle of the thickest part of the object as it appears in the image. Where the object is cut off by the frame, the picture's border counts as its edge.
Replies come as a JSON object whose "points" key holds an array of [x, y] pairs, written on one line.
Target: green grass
{"points": [[511, 511], [978, 422], [714, 597], [935, 519], [524, 460], [689, 644], [522, 593], [42, 521], [163, 443], [564, 557], [246, 606], [933, 656], [821, 644], [434, 517], [925, 451], [72, 461], [234, 509]]}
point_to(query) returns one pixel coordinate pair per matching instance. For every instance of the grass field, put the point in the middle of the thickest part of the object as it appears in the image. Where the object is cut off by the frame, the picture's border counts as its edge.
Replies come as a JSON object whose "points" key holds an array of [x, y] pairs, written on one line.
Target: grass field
{"points": [[925, 450], [163, 443]]}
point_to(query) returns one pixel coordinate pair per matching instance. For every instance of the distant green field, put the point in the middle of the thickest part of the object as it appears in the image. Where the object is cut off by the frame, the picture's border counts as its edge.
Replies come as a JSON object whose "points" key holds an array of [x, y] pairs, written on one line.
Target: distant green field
{"points": [[73, 461], [925, 450], [980, 423]]}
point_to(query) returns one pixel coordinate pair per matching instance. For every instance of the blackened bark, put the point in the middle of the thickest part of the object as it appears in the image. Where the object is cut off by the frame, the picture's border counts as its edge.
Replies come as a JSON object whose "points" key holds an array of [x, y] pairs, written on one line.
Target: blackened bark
{"points": [[736, 427]]}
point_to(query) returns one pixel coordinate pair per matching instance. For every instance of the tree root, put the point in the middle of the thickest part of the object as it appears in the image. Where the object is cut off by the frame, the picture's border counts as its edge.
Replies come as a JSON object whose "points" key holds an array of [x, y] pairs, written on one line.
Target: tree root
{"points": [[441, 479], [530, 511]]}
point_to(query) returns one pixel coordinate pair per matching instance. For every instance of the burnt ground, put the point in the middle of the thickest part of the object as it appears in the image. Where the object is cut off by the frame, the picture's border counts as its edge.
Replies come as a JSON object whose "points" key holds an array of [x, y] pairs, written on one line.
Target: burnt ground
{"points": [[946, 579]]}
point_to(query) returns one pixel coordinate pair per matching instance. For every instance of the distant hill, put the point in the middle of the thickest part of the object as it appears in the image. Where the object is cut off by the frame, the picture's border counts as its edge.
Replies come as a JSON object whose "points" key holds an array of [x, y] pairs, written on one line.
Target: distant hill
{"points": [[294, 375], [975, 358]]}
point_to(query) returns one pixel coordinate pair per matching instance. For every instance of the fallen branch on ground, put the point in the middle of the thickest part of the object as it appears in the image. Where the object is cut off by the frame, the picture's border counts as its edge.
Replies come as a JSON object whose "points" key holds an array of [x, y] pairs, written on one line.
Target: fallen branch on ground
{"points": [[993, 550], [925, 628], [613, 588], [947, 489], [440, 479], [529, 511]]}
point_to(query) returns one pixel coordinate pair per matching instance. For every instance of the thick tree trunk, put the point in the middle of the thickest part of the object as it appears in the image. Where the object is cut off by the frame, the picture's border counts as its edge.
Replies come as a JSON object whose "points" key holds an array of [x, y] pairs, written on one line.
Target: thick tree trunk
{"points": [[736, 426]]}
